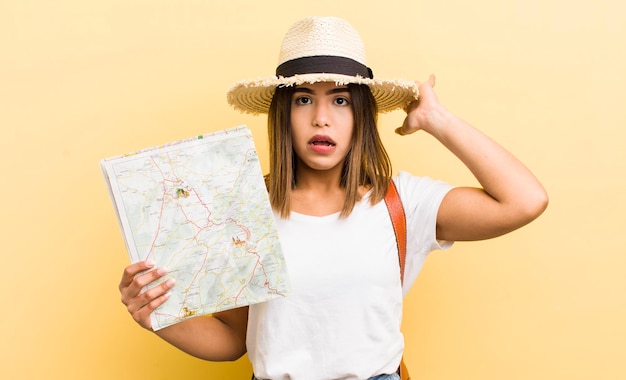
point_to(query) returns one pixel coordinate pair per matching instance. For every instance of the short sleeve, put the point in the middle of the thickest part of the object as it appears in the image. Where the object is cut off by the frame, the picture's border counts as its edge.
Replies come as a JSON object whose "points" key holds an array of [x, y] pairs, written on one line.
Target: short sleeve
{"points": [[421, 198]]}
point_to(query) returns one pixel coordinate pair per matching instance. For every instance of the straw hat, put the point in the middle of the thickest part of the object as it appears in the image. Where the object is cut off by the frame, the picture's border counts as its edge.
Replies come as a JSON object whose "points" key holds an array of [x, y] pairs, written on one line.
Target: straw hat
{"points": [[320, 49]]}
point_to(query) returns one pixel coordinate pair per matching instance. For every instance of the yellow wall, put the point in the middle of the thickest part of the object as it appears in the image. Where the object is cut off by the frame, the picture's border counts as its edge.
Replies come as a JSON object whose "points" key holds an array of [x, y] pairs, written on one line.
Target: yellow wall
{"points": [[82, 80]]}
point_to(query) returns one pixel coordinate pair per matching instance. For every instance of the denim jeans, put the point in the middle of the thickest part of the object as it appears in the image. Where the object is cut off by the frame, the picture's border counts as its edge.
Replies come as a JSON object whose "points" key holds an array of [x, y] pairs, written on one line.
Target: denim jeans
{"points": [[393, 376]]}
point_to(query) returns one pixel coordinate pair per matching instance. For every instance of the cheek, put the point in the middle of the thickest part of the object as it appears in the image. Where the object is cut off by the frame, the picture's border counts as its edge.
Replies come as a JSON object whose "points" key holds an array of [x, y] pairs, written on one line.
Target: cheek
{"points": [[349, 128], [296, 123], [295, 133], [346, 119], [297, 141]]}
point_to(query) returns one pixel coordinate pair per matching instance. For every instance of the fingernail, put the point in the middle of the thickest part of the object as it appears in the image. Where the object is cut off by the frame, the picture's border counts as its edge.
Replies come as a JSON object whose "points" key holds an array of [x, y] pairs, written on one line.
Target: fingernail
{"points": [[170, 283], [149, 263], [161, 271]]}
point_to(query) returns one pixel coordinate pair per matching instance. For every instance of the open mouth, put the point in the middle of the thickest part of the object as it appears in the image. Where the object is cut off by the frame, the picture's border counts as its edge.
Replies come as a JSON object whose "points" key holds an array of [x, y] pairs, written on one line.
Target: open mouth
{"points": [[321, 141], [324, 143]]}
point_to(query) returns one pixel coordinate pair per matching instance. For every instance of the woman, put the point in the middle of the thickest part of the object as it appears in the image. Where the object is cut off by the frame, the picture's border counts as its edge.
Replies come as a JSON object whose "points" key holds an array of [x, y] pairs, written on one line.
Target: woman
{"points": [[329, 174]]}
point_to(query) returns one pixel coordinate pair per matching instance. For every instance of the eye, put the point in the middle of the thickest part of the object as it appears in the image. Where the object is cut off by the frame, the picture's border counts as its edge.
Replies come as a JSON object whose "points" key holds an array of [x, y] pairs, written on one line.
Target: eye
{"points": [[342, 101], [302, 100]]}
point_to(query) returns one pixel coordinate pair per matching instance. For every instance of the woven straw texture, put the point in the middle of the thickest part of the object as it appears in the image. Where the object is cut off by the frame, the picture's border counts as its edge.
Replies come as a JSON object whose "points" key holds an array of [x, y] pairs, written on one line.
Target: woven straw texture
{"points": [[315, 36]]}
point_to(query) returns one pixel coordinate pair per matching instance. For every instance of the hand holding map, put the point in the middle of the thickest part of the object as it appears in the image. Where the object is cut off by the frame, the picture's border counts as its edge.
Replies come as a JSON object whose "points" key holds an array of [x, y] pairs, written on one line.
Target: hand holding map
{"points": [[199, 208]]}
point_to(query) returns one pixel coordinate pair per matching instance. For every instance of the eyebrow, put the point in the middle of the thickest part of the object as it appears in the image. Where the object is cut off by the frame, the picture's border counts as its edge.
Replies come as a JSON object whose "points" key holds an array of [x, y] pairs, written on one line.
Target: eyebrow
{"points": [[335, 90]]}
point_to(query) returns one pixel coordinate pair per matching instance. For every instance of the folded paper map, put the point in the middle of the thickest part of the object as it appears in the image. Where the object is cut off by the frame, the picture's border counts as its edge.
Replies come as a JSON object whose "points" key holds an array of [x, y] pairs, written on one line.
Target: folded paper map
{"points": [[199, 208]]}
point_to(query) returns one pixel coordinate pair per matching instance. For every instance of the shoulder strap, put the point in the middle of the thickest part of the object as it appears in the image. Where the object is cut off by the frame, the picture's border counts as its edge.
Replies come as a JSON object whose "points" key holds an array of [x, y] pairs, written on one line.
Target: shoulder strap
{"points": [[398, 220]]}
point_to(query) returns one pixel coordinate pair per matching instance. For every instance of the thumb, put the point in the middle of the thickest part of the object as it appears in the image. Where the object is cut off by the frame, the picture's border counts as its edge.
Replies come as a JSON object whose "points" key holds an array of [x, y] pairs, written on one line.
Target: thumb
{"points": [[401, 130], [405, 129]]}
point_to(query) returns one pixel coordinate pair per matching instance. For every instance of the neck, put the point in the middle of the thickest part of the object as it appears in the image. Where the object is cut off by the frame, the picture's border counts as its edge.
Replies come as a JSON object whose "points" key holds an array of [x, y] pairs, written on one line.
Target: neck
{"points": [[317, 193], [308, 178]]}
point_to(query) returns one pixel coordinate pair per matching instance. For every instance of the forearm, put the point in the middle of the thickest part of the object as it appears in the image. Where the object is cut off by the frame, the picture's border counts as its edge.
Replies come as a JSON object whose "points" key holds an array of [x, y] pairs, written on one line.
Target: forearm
{"points": [[511, 196], [209, 337], [503, 177]]}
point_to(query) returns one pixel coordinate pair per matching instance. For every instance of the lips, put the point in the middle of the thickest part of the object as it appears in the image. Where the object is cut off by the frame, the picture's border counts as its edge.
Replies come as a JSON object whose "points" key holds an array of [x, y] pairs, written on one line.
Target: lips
{"points": [[321, 140], [321, 144]]}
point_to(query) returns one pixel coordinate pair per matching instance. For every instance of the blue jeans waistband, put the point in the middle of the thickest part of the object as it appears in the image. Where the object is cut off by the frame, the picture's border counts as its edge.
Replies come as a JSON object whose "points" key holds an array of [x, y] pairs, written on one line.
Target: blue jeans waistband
{"points": [[393, 376]]}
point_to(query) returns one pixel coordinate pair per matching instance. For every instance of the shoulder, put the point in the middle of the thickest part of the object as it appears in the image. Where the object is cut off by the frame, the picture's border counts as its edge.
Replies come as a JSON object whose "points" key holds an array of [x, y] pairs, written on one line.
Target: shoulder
{"points": [[414, 188]]}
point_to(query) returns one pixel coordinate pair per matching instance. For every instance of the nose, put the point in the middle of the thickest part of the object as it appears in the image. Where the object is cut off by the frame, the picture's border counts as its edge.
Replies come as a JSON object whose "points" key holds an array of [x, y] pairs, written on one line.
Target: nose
{"points": [[321, 117]]}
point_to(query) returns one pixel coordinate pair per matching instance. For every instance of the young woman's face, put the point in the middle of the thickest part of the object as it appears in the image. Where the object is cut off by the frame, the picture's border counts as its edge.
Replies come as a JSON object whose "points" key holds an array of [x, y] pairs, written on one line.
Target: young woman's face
{"points": [[322, 122]]}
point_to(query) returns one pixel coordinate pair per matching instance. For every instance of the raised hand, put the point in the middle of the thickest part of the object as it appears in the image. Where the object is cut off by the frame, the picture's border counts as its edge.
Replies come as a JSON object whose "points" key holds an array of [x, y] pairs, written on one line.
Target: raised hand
{"points": [[426, 113]]}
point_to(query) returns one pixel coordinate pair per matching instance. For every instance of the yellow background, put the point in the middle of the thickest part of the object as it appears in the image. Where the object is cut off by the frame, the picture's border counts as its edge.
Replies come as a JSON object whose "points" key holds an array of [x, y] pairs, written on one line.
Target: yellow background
{"points": [[83, 80]]}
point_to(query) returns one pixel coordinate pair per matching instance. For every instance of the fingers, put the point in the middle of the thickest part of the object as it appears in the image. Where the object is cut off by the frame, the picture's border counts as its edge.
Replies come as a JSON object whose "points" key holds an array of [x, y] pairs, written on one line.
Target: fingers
{"points": [[431, 80], [140, 304], [142, 314], [412, 122], [420, 112], [426, 90], [132, 270]]}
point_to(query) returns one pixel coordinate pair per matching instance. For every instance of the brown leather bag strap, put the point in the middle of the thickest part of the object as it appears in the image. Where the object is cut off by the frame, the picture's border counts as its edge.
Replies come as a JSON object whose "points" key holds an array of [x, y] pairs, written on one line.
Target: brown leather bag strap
{"points": [[398, 220]]}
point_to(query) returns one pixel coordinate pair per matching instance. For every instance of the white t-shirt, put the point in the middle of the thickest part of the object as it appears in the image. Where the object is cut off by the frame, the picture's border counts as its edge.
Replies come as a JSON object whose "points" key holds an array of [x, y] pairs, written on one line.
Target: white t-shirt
{"points": [[343, 319]]}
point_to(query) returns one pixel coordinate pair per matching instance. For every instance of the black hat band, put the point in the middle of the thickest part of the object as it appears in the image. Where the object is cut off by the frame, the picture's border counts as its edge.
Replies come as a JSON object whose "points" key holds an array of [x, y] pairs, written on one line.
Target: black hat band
{"points": [[324, 64]]}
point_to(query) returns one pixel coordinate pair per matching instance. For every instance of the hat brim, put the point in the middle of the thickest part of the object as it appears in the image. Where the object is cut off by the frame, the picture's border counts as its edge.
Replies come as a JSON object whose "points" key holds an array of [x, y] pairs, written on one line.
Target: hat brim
{"points": [[254, 96]]}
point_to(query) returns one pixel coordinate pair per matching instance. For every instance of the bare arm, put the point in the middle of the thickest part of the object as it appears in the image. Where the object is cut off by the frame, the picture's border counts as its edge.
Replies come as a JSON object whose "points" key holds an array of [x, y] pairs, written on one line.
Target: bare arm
{"points": [[219, 337], [510, 196]]}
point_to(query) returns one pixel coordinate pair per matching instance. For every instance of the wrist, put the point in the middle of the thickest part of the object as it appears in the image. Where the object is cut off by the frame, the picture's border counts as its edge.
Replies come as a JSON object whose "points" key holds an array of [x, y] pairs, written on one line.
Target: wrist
{"points": [[439, 121]]}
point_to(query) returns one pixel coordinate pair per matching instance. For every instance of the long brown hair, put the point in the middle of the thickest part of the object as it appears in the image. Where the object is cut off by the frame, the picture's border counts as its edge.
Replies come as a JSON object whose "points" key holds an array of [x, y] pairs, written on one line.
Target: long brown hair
{"points": [[366, 164]]}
